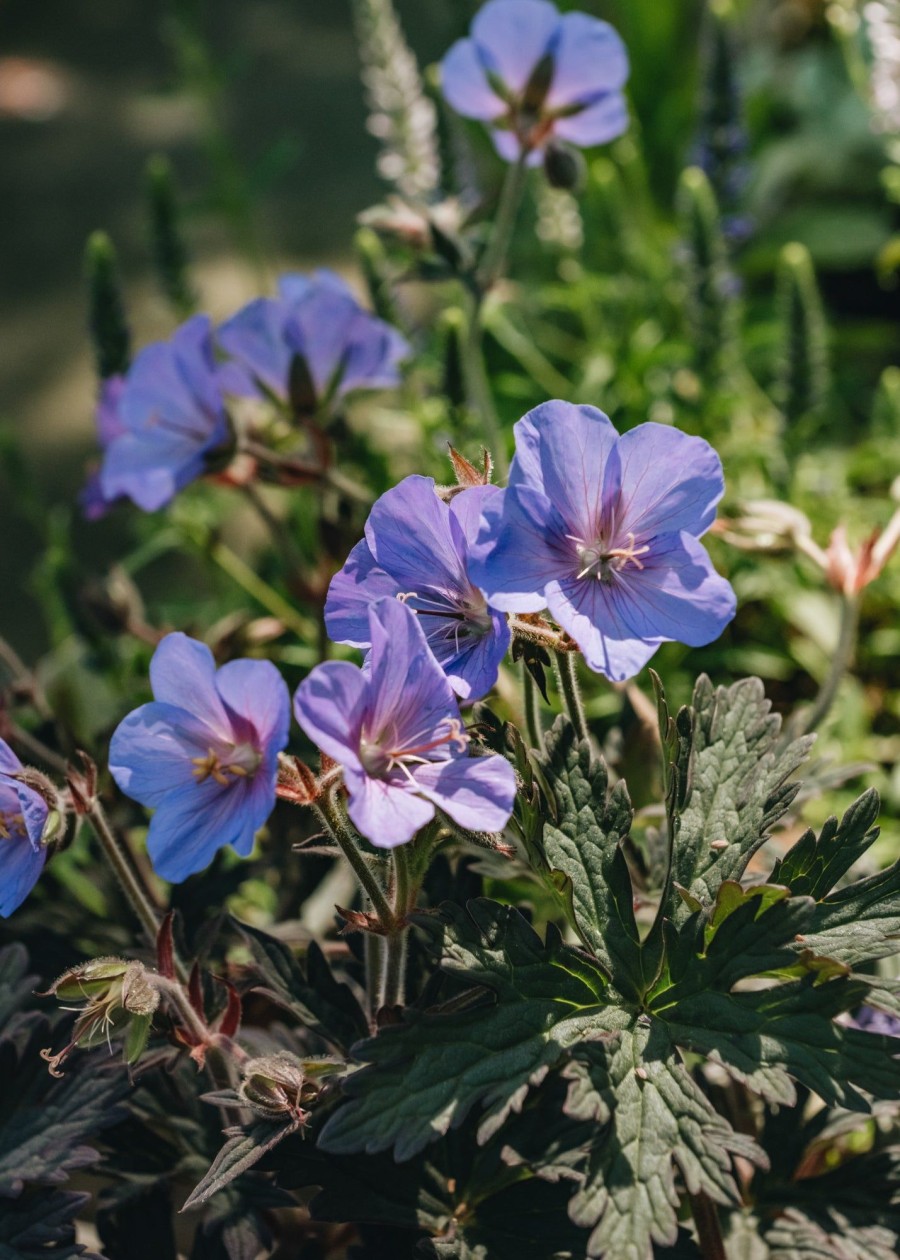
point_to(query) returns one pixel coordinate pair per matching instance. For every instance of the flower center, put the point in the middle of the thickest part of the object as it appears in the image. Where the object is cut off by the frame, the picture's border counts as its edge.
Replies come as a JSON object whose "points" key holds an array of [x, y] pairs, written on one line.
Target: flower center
{"points": [[599, 560], [240, 761], [378, 761], [465, 613]]}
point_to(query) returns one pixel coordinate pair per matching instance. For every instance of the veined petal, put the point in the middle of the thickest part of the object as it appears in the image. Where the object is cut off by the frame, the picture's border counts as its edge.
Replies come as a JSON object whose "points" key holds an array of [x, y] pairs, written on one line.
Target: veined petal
{"points": [[149, 473], [563, 450], [408, 532], [521, 548], [589, 58], [183, 672], [330, 705], [351, 594], [256, 691], [387, 814], [513, 35], [374, 352], [598, 123], [34, 810], [610, 646], [477, 792], [466, 509], [409, 695], [464, 83], [192, 824], [473, 670], [20, 869], [669, 481], [152, 751]]}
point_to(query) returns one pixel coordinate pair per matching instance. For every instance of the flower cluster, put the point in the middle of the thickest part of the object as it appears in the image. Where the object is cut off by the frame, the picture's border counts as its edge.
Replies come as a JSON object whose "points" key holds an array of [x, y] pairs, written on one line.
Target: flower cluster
{"points": [[535, 76], [166, 422]]}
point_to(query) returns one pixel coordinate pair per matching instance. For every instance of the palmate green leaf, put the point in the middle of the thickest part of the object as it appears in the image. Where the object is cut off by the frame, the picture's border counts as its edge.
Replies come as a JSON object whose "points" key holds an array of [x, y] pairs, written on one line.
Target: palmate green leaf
{"points": [[425, 1075], [583, 840], [738, 787], [767, 1034], [312, 994], [652, 1120]]}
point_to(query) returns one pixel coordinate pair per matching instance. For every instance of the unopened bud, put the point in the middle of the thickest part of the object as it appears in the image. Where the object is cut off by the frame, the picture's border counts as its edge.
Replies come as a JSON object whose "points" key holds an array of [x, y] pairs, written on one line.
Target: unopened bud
{"points": [[296, 782], [564, 166], [278, 1085], [118, 996]]}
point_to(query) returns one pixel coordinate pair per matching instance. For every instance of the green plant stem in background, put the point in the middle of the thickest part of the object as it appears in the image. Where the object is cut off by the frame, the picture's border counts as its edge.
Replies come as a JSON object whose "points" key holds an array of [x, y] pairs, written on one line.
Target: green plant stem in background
{"points": [[567, 677], [139, 897], [494, 261], [840, 663], [232, 564], [332, 815], [532, 705], [478, 388]]}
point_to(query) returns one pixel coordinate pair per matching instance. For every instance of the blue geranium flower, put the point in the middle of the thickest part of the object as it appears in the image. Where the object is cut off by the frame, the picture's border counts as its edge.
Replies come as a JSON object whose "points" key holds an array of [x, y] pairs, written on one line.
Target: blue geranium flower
{"points": [[94, 503], [416, 548], [344, 347], [397, 734], [534, 75], [602, 530], [161, 428], [203, 754], [23, 818]]}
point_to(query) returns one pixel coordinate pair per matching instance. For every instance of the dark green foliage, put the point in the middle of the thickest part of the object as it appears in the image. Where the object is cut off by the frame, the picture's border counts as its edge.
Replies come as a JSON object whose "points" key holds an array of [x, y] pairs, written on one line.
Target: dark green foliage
{"points": [[43, 1224], [108, 323], [709, 297], [804, 377], [169, 251]]}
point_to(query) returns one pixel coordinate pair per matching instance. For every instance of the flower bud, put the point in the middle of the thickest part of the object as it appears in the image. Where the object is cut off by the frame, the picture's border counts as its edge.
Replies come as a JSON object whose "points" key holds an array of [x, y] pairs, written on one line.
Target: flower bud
{"points": [[276, 1085], [564, 166], [118, 996]]}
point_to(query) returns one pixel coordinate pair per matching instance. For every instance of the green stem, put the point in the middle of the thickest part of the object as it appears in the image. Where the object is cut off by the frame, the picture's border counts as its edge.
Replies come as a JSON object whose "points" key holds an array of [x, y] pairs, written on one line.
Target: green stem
{"points": [[709, 1229], [332, 815], [478, 387], [394, 974], [237, 569], [567, 678], [532, 709], [840, 663], [494, 259], [139, 897]]}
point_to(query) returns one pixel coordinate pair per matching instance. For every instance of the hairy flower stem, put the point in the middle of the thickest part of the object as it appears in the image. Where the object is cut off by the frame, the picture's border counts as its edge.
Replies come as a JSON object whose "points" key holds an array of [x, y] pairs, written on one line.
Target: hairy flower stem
{"points": [[840, 663], [139, 897], [532, 704], [709, 1229], [567, 678], [494, 260], [332, 816], [394, 974]]}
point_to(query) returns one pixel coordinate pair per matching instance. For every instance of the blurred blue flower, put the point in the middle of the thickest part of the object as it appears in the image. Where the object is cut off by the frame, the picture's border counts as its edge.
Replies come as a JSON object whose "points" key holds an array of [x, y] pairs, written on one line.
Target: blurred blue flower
{"points": [[868, 1019], [317, 318], [203, 754], [602, 530], [162, 426], [534, 75], [23, 817], [396, 732], [94, 503], [416, 548]]}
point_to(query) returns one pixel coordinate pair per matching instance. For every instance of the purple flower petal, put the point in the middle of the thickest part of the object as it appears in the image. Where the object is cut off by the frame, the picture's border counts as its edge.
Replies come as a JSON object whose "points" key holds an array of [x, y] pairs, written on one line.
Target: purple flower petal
{"points": [[669, 481], [603, 120], [409, 535], [331, 705], [192, 824], [20, 869], [351, 594], [256, 692], [386, 813], [152, 751], [465, 85], [521, 548], [589, 58], [609, 645], [513, 35], [476, 792], [255, 337], [182, 673], [409, 695]]}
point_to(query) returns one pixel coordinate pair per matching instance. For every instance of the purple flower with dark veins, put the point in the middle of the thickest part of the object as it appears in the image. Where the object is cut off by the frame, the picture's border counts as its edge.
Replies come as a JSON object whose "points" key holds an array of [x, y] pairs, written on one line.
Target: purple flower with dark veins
{"points": [[603, 531], [203, 754], [416, 549], [397, 733], [23, 818], [167, 422], [535, 75], [343, 346]]}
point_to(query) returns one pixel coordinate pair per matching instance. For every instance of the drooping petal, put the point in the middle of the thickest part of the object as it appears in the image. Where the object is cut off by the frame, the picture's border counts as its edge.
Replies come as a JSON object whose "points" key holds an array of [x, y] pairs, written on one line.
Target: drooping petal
{"points": [[589, 58], [521, 548], [408, 532], [477, 792], [410, 697], [598, 123], [385, 812], [183, 673], [172, 385], [669, 481], [330, 705], [255, 337], [152, 751], [351, 594], [256, 691], [20, 869], [465, 86], [473, 670], [677, 595], [610, 646], [373, 355], [192, 824], [150, 470], [512, 36], [562, 450]]}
